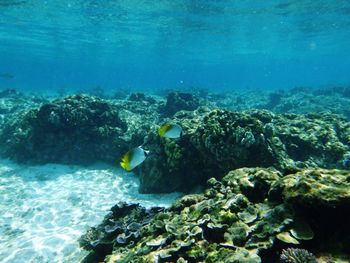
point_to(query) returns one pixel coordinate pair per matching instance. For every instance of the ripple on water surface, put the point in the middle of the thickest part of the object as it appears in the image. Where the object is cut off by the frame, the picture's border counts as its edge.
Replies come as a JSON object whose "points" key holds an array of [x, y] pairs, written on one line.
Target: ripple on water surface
{"points": [[45, 209]]}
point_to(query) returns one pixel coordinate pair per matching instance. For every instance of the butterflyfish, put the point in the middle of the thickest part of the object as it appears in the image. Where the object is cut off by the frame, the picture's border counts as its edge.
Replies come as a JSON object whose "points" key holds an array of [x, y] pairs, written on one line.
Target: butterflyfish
{"points": [[169, 130], [133, 158]]}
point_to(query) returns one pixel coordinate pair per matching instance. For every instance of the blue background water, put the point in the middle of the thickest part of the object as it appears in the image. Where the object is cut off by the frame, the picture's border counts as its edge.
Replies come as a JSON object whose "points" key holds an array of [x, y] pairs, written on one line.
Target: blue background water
{"points": [[140, 45]]}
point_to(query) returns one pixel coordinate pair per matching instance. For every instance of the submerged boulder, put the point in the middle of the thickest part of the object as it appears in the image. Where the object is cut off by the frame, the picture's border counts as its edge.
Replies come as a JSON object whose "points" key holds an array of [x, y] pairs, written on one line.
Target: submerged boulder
{"points": [[76, 129]]}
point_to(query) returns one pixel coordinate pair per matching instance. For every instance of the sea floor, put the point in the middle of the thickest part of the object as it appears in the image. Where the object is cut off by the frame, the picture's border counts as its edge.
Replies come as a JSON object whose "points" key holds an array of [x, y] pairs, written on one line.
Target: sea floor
{"points": [[45, 209]]}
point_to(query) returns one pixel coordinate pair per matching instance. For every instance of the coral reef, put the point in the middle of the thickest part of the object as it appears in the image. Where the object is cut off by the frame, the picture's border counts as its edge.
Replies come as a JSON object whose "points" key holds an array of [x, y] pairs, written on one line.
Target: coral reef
{"points": [[275, 181], [221, 225], [120, 227], [241, 218], [218, 141], [297, 255], [298, 100], [13, 101], [324, 188], [76, 129]]}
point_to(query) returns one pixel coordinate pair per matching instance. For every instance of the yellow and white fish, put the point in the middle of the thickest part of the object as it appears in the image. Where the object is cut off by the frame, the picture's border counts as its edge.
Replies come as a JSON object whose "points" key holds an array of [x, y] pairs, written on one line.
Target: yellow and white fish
{"points": [[169, 130], [133, 158]]}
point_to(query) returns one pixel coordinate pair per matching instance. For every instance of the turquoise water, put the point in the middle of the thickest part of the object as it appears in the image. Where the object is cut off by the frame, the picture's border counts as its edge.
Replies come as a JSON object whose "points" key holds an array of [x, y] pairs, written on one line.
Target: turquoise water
{"points": [[79, 45], [48, 45]]}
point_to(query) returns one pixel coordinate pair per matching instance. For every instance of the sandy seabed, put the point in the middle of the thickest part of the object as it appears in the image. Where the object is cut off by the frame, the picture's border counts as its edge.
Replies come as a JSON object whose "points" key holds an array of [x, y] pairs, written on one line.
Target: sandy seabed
{"points": [[45, 209]]}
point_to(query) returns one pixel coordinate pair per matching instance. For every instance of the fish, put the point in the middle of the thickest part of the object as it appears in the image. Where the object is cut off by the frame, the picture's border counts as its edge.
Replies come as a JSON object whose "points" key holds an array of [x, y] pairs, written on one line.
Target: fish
{"points": [[6, 76], [133, 158], [169, 130]]}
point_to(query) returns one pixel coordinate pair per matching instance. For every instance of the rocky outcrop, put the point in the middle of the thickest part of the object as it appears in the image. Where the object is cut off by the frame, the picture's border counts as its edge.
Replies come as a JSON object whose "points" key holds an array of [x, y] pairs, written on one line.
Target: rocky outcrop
{"points": [[320, 188], [76, 129], [218, 141], [177, 101]]}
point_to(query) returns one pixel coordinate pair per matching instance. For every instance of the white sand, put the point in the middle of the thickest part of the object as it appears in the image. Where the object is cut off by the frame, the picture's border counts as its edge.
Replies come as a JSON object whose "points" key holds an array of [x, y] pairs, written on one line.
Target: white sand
{"points": [[45, 209]]}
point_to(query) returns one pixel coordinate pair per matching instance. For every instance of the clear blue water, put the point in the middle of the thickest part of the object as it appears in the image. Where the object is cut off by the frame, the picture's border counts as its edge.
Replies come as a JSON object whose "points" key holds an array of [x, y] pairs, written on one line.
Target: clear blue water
{"points": [[81, 44], [144, 46]]}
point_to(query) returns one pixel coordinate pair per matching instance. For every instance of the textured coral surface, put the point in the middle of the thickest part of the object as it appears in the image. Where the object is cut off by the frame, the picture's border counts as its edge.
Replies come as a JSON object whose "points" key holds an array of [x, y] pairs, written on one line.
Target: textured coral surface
{"points": [[241, 218]]}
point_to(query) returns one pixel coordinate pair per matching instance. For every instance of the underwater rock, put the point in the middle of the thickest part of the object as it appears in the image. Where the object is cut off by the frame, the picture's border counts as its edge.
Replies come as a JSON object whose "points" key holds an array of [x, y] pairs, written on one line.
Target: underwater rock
{"points": [[177, 101], [316, 188], [138, 96], [217, 141], [343, 91], [76, 129]]}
